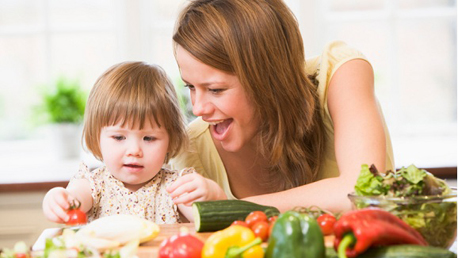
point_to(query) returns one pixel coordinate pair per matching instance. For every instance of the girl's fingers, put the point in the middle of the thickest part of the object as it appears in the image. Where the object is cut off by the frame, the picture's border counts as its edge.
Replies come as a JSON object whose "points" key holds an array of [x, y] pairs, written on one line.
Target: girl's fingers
{"points": [[183, 189], [59, 213], [187, 198], [180, 181], [63, 201]]}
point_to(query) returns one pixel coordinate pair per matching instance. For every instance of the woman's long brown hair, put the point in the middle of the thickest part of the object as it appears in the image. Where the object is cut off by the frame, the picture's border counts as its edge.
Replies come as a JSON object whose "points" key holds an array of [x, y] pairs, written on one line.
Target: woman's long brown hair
{"points": [[260, 42]]}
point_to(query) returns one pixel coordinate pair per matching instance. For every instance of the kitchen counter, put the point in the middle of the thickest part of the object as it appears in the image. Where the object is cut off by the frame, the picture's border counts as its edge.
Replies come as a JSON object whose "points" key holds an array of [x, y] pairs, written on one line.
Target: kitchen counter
{"points": [[150, 249]]}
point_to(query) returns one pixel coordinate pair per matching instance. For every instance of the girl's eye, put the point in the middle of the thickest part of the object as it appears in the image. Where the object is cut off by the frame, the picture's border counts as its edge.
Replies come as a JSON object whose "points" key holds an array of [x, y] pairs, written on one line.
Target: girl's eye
{"points": [[149, 138], [118, 137]]}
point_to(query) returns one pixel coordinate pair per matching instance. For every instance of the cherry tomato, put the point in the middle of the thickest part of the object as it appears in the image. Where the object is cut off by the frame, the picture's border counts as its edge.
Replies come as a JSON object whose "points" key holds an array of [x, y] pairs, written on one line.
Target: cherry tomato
{"points": [[326, 222], [240, 223], [254, 217], [76, 216], [261, 230], [20, 255], [272, 219]]}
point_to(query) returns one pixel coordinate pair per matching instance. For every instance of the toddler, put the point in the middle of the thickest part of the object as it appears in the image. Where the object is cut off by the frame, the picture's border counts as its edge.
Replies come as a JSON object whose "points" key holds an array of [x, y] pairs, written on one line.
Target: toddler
{"points": [[133, 124]]}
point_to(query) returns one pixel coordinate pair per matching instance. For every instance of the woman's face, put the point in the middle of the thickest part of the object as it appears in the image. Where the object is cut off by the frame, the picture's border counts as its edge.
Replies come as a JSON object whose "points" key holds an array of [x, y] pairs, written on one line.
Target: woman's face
{"points": [[219, 98]]}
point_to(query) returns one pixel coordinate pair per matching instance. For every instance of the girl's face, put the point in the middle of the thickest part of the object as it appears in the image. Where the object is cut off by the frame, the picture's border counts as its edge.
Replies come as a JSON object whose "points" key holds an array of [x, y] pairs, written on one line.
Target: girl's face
{"points": [[220, 100], [134, 156]]}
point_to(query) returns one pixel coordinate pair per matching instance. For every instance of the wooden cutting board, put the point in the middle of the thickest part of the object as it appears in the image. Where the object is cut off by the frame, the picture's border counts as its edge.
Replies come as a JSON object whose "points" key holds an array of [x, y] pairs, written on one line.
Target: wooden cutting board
{"points": [[151, 249]]}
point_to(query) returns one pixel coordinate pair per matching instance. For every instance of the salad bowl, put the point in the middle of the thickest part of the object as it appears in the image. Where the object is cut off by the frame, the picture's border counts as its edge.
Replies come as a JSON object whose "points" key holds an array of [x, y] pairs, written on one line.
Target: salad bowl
{"points": [[434, 216], [425, 202]]}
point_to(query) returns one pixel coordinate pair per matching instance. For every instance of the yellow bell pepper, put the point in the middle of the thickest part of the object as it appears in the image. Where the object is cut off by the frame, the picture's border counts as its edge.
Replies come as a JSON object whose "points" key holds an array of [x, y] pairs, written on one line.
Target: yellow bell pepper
{"points": [[231, 242]]}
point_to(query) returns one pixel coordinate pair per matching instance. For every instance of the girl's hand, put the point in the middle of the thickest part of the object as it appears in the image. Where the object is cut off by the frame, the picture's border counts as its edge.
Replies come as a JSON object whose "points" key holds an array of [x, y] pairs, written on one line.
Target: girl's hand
{"points": [[193, 187], [56, 205]]}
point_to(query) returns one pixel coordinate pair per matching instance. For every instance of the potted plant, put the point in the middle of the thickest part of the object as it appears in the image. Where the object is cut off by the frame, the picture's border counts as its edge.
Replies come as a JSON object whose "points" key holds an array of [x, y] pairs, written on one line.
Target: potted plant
{"points": [[63, 106]]}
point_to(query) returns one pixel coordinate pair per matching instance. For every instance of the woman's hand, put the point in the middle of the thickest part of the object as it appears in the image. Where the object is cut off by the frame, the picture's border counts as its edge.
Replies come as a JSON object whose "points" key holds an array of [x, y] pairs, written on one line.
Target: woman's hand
{"points": [[56, 204], [194, 187]]}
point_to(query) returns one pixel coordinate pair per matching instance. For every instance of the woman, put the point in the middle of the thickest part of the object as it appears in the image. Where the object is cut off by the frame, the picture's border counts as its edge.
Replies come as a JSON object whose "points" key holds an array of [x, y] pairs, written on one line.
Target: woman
{"points": [[272, 128]]}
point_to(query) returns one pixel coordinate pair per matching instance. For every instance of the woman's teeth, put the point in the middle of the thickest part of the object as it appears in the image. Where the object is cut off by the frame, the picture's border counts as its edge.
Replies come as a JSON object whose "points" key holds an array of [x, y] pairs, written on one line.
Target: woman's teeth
{"points": [[216, 122]]}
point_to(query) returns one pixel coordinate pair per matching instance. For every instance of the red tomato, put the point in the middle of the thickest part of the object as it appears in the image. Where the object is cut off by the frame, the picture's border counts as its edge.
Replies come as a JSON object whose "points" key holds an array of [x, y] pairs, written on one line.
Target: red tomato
{"points": [[20, 255], [261, 229], [76, 216], [182, 245], [272, 219], [254, 217], [326, 222], [240, 223]]}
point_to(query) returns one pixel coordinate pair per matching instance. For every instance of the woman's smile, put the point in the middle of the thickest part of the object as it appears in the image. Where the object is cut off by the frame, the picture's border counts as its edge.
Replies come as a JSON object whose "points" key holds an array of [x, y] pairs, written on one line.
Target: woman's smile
{"points": [[219, 130]]}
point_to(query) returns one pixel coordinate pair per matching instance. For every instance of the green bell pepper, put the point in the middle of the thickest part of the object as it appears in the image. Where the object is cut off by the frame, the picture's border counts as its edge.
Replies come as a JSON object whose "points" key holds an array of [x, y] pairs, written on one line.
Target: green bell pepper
{"points": [[295, 235]]}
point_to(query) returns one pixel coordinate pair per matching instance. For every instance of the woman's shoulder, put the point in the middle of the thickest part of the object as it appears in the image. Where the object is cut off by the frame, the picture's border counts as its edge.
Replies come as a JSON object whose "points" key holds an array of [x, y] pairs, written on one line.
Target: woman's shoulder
{"points": [[334, 55], [339, 49]]}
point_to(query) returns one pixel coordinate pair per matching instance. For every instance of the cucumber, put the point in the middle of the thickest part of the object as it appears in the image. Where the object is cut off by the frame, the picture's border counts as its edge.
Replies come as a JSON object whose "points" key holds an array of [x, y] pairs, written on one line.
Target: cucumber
{"points": [[211, 216], [407, 251]]}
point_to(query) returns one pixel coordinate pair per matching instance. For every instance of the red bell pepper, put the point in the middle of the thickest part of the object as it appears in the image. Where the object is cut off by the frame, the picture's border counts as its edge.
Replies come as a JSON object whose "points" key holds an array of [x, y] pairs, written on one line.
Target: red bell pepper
{"points": [[371, 227], [181, 245]]}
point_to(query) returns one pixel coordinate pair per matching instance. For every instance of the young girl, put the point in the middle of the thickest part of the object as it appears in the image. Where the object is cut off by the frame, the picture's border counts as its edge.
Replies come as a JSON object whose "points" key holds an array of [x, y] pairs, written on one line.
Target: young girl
{"points": [[134, 125]]}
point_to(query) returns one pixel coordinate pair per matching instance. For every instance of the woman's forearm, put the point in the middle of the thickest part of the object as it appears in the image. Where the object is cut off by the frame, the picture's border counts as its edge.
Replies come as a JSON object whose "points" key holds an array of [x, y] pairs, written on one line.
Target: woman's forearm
{"points": [[329, 194]]}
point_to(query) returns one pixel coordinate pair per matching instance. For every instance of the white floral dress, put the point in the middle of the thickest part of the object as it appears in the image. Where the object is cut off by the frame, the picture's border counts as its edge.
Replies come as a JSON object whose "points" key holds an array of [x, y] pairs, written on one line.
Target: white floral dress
{"points": [[110, 197]]}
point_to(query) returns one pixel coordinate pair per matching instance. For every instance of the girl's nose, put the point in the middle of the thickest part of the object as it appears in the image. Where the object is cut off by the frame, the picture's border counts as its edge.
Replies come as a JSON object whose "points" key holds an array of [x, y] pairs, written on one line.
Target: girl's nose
{"points": [[134, 149]]}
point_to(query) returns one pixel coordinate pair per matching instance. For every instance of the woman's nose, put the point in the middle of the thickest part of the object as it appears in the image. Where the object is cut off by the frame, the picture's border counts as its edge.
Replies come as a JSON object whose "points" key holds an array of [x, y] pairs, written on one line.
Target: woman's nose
{"points": [[200, 105]]}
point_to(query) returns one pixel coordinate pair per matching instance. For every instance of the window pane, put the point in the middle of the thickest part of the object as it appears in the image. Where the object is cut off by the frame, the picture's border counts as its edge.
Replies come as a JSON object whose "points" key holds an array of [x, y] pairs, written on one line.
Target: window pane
{"points": [[427, 70], [82, 56], [166, 11], [64, 13], [20, 12], [355, 5], [372, 39], [410, 4], [21, 67]]}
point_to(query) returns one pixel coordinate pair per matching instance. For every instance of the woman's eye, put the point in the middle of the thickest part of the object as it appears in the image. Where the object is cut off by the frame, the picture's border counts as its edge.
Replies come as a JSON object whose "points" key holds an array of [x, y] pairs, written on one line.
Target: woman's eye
{"points": [[118, 137], [215, 90], [149, 138], [189, 86]]}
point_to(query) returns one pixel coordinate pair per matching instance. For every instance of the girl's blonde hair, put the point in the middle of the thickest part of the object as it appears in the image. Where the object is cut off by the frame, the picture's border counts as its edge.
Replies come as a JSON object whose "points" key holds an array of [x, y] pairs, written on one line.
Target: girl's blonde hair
{"points": [[133, 93], [260, 42]]}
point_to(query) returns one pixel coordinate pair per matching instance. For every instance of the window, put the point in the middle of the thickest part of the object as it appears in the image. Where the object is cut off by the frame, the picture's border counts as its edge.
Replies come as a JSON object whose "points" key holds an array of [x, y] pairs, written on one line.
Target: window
{"points": [[411, 44], [412, 47]]}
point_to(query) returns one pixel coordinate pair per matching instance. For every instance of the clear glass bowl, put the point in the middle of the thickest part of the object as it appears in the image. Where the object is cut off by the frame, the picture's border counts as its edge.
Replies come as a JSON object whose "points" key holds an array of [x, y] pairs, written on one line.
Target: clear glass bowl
{"points": [[433, 216]]}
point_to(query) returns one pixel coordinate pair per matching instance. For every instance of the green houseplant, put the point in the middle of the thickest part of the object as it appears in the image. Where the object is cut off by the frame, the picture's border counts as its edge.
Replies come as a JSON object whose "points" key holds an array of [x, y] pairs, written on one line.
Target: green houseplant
{"points": [[65, 102], [62, 106]]}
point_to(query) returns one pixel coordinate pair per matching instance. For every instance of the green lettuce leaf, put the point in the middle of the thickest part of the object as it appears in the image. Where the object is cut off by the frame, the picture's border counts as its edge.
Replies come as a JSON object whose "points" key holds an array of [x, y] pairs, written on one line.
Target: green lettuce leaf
{"points": [[413, 174], [368, 183]]}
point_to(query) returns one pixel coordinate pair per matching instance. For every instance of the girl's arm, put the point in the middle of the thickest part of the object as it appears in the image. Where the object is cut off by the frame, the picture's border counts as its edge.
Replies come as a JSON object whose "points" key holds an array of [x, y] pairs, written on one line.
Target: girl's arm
{"points": [[358, 138]]}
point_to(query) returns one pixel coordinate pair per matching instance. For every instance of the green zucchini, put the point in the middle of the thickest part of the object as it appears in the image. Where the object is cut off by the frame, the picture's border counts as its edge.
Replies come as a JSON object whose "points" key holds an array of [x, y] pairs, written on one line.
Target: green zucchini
{"points": [[211, 216], [400, 251]]}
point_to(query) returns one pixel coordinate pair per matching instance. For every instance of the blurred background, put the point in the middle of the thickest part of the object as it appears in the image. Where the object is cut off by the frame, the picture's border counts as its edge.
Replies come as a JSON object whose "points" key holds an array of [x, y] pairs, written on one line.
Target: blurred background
{"points": [[57, 49]]}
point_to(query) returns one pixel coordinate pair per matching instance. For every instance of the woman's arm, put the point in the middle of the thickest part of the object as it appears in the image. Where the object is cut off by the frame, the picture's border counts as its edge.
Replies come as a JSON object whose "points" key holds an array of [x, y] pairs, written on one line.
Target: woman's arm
{"points": [[358, 138]]}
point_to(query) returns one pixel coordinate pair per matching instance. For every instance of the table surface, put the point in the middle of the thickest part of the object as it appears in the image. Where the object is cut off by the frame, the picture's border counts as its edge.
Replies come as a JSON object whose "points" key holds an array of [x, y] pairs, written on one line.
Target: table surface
{"points": [[150, 249]]}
